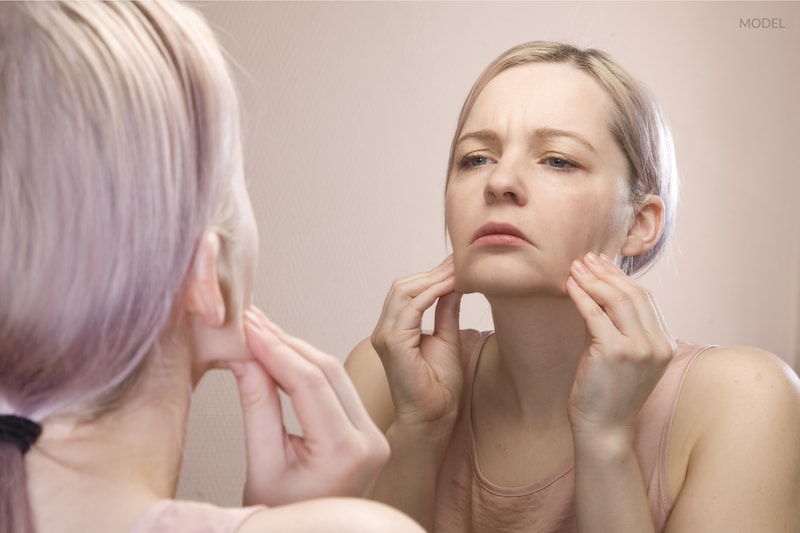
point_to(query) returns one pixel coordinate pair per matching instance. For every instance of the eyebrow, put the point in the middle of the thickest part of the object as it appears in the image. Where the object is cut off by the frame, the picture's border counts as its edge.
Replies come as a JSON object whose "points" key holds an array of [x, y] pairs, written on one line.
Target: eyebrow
{"points": [[542, 133], [549, 133], [481, 135]]}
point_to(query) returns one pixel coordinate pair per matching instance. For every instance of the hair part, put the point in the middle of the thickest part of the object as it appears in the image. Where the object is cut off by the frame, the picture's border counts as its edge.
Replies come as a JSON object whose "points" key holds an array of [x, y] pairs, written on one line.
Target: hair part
{"points": [[637, 124]]}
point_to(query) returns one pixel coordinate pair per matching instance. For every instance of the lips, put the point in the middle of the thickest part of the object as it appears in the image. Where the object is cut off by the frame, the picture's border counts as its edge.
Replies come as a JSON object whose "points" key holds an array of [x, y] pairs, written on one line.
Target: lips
{"points": [[499, 232]]}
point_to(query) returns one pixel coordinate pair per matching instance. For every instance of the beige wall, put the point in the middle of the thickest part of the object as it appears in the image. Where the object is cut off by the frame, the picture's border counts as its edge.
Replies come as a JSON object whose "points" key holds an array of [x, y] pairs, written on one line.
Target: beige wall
{"points": [[349, 109]]}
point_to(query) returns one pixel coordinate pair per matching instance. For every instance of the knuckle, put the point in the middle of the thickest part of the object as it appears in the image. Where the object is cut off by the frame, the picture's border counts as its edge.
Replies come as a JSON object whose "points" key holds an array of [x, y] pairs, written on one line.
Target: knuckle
{"points": [[252, 398], [639, 292], [621, 298], [665, 351], [352, 453], [329, 364], [595, 312], [382, 451], [397, 285], [379, 341], [312, 379]]}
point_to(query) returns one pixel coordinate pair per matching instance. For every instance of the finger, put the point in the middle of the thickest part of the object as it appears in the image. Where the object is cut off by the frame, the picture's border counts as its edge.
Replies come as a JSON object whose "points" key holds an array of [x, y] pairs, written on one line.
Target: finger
{"points": [[597, 321], [405, 330], [405, 289], [316, 405], [263, 418], [652, 319], [631, 295], [332, 368], [616, 302], [446, 324]]}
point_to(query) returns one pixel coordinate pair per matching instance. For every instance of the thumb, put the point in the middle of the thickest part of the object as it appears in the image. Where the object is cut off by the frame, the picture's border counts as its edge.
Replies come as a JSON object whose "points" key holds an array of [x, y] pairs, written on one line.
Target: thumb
{"points": [[446, 323], [263, 418]]}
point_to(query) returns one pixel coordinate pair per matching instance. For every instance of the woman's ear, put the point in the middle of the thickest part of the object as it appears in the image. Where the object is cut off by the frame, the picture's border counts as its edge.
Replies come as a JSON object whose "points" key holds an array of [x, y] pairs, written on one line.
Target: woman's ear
{"points": [[203, 291], [648, 223]]}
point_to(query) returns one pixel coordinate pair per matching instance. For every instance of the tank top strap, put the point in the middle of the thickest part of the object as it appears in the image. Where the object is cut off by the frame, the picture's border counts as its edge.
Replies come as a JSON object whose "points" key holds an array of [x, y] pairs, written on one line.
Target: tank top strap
{"points": [[654, 428]]}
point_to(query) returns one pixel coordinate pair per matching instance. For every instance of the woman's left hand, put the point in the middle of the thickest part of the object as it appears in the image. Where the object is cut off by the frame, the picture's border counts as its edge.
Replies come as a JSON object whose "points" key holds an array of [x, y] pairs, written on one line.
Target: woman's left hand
{"points": [[628, 349]]}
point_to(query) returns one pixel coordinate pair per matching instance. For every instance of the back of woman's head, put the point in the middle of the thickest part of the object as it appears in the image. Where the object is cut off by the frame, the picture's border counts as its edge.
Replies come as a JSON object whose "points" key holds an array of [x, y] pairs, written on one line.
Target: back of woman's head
{"points": [[637, 125], [118, 136]]}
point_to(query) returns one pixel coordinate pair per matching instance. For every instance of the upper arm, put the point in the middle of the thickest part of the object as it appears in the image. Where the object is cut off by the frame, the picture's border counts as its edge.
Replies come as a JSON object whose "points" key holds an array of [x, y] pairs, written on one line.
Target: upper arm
{"points": [[366, 370], [348, 515], [743, 471]]}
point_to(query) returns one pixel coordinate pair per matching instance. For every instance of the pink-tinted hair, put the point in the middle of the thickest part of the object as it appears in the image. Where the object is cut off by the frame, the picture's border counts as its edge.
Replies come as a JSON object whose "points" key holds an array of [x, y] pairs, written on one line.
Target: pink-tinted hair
{"points": [[119, 134]]}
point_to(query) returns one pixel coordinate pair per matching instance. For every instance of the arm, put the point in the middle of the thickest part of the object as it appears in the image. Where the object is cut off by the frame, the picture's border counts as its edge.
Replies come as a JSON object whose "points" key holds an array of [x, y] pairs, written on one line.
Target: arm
{"points": [[332, 515], [408, 480], [411, 383], [628, 350], [743, 473], [739, 415]]}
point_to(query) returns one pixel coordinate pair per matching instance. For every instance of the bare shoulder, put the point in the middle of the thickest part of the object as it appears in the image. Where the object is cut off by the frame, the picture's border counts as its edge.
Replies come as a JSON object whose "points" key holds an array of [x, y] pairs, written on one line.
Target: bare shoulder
{"points": [[739, 417], [348, 515], [366, 371], [362, 358], [743, 389], [744, 377]]}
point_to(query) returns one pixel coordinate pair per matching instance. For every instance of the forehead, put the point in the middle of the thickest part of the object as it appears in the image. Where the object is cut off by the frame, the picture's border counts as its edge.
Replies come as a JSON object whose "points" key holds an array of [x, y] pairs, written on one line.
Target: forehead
{"points": [[555, 95]]}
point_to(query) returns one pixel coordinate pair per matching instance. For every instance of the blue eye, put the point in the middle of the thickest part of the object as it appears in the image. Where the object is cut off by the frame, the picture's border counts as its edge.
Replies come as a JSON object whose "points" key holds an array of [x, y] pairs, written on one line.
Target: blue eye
{"points": [[474, 161], [559, 163]]}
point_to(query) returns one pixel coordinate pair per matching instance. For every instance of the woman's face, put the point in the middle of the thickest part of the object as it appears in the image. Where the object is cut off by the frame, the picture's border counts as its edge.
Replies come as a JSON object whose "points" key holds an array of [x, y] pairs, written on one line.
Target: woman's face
{"points": [[537, 181]]}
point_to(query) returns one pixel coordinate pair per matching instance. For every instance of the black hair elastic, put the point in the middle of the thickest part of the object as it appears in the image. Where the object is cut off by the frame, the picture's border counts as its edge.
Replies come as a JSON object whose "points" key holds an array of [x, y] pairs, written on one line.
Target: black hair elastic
{"points": [[19, 431]]}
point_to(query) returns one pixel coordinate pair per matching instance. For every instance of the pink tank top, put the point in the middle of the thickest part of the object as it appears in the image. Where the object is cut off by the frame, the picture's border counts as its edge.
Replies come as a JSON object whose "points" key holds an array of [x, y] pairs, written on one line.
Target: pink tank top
{"points": [[179, 516], [467, 501]]}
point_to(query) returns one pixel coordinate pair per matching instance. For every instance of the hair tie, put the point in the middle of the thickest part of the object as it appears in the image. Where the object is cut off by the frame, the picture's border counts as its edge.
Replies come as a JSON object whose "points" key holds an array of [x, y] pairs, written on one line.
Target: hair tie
{"points": [[19, 431]]}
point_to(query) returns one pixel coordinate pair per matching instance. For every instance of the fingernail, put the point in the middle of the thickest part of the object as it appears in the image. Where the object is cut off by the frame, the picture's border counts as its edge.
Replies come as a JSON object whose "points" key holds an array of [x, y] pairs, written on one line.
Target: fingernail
{"points": [[605, 259], [579, 267], [590, 257]]}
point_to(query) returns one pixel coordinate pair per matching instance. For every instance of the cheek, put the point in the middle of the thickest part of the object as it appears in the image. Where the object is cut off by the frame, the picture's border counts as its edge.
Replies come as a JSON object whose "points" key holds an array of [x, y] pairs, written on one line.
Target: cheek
{"points": [[455, 213], [455, 232], [601, 230]]}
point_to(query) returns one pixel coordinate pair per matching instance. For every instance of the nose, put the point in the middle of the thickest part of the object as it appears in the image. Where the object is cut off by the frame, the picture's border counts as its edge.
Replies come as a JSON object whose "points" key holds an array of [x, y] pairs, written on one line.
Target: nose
{"points": [[505, 184]]}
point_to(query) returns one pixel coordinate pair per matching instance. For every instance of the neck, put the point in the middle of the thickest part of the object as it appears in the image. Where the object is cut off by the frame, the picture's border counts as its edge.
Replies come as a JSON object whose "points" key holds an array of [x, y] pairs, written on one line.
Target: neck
{"points": [[103, 474], [538, 343]]}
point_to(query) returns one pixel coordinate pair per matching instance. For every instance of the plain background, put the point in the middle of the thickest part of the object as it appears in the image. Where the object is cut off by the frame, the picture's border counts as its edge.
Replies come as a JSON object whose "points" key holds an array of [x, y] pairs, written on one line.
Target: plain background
{"points": [[349, 109]]}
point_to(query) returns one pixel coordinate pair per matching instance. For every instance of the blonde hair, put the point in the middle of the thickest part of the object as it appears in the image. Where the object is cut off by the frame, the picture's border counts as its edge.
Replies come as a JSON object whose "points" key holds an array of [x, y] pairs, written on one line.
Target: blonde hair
{"points": [[118, 140], [638, 126]]}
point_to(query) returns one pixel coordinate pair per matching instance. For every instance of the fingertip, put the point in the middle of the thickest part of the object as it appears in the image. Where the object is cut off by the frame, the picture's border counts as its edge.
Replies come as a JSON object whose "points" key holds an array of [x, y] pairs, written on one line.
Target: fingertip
{"points": [[574, 289], [578, 268], [610, 264], [447, 264], [591, 259]]}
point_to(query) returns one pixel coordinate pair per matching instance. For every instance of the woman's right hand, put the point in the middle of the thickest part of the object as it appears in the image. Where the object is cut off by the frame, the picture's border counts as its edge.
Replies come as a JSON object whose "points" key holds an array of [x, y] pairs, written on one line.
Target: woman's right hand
{"points": [[424, 370], [340, 450]]}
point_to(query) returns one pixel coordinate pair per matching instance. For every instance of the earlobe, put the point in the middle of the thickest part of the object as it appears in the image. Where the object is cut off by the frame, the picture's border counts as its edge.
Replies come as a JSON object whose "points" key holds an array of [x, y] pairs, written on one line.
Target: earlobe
{"points": [[203, 292], [648, 223]]}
